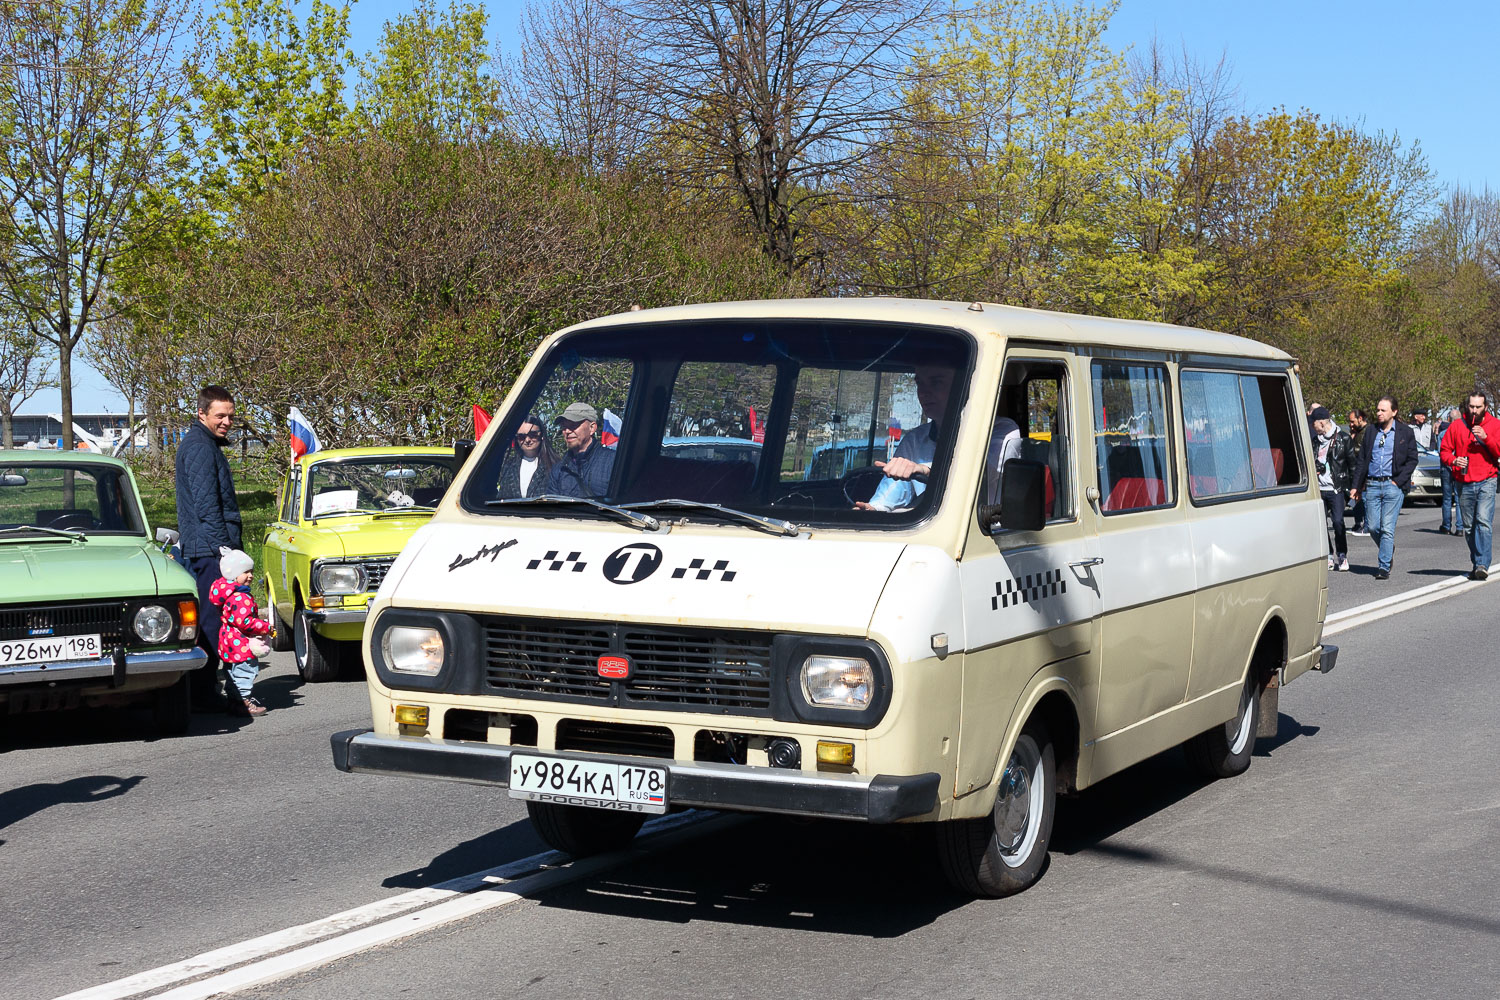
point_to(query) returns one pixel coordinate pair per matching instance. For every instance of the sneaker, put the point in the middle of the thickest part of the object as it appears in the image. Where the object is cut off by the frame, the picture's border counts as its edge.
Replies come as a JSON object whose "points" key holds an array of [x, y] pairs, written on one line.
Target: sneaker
{"points": [[1361, 532], [1332, 564], [1382, 574], [1343, 566], [254, 708], [1480, 573]]}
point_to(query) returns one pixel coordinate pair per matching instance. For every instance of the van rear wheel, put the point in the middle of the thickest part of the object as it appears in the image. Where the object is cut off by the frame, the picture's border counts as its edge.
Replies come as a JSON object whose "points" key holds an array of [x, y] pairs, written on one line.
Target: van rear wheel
{"points": [[581, 831], [1225, 750], [1004, 853]]}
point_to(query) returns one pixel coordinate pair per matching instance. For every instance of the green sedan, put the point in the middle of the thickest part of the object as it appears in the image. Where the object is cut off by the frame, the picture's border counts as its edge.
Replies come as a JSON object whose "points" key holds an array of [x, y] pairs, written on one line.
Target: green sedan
{"points": [[344, 515], [92, 614]]}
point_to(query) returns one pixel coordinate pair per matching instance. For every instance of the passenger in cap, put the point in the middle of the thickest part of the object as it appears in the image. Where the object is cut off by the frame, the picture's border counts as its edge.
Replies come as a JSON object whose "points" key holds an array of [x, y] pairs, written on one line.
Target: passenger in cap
{"points": [[585, 469]]}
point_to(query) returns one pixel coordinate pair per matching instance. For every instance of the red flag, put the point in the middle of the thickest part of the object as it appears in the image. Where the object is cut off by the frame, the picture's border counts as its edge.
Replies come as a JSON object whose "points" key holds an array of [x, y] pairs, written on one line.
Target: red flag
{"points": [[757, 429], [481, 421]]}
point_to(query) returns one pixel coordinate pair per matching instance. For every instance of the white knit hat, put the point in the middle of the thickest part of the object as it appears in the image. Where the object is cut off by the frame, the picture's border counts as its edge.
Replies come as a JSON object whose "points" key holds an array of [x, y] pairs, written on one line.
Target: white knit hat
{"points": [[233, 562]]}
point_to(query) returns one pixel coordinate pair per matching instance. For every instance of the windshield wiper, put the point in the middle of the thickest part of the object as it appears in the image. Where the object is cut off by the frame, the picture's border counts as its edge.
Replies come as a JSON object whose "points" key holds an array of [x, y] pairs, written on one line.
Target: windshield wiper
{"points": [[411, 508], [340, 511], [775, 525], [76, 536], [645, 522]]}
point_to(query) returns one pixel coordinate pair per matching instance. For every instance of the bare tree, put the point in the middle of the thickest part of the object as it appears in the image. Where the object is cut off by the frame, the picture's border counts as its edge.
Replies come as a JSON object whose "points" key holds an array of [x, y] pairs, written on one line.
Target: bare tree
{"points": [[24, 371], [572, 87], [773, 101], [90, 91]]}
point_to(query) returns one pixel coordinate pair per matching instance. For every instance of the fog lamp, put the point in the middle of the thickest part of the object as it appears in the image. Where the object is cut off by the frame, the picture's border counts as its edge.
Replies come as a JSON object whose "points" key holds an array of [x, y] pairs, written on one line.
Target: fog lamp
{"points": [[830, 752], [411, 715]]}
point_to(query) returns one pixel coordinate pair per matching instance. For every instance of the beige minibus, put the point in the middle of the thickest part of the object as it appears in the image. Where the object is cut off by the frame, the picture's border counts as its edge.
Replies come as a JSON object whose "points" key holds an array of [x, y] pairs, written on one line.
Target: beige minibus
{"points": [[877, 560]]}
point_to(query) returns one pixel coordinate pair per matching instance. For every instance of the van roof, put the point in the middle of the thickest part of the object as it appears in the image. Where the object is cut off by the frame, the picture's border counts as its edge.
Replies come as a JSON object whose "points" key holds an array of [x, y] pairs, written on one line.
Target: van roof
{"points": [[981, 319]]}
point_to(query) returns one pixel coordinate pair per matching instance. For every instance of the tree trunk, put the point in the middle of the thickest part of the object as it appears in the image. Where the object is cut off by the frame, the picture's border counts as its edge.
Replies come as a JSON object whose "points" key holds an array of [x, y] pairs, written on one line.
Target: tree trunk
{"points": [[7, 425]]}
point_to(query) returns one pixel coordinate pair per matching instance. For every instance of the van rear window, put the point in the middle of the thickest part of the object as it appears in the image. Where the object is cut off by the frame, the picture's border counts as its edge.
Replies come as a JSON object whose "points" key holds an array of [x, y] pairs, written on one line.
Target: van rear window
{"points": [[1240, 434]]}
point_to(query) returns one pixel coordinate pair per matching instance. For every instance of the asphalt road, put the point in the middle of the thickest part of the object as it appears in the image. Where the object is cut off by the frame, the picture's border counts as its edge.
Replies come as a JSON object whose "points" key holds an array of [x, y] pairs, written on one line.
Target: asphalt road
{"points": [[1356, 858]]}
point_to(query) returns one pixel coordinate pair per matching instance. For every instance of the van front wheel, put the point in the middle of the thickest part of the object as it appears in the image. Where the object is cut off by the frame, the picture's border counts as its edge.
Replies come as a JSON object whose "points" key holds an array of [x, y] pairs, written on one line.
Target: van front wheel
{"points": [[1003, 853], [581, 831], [1225, 750]]}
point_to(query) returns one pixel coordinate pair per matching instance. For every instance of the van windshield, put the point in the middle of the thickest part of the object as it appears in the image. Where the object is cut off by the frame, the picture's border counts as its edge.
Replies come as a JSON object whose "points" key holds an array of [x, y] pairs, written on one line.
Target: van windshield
{"points": [[785, 419]]}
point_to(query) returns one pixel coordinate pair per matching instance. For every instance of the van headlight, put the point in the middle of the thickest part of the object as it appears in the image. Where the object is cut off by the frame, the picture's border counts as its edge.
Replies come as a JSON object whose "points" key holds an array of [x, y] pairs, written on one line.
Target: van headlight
{"points": [[838, 681], [153, 623], [341, 578], [411, 650]]}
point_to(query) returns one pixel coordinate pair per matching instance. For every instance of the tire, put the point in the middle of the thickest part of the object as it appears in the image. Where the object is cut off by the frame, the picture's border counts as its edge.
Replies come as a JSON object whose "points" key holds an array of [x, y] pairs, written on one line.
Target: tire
{"points": [[1005, 852], [172, 707], [280, 639], [318, 658], [1225, 750], [581, 831]]}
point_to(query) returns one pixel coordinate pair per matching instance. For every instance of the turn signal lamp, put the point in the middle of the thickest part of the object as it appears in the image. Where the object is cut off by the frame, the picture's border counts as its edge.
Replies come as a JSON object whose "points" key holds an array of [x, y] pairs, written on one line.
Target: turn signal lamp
{"points": [[411, 715], [830, 752], [187, 615], [315, 603]]}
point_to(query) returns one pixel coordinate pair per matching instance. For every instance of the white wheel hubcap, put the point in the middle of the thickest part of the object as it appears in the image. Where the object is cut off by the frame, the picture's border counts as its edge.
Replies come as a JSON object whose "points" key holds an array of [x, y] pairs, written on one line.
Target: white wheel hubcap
{"points": [[1019, 804]]}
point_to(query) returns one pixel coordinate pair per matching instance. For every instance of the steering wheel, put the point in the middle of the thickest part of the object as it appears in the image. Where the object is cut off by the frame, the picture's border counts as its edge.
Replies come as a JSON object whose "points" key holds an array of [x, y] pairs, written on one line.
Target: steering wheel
{"points": [[72, 519], [859, 485]]}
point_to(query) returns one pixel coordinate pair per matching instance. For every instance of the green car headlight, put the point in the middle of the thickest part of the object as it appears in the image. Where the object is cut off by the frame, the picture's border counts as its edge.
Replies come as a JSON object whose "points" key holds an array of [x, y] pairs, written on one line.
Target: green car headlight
{"points": [[153, 623], [341, 578]]}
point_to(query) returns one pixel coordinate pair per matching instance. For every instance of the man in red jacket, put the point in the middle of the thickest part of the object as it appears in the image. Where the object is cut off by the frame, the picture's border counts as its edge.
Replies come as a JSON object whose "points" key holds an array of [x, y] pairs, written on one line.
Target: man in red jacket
{"points": [[1471, 449]]}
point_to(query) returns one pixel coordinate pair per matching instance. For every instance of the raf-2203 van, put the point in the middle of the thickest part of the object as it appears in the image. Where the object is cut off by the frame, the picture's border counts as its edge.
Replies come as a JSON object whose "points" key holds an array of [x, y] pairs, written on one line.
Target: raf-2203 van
{"points": [[1094, 539]]}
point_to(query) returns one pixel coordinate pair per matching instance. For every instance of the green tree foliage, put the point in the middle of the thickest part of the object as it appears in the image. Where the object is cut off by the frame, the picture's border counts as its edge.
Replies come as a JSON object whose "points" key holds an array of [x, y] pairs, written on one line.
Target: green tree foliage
{"points": [[388, 283], [431, 74]]}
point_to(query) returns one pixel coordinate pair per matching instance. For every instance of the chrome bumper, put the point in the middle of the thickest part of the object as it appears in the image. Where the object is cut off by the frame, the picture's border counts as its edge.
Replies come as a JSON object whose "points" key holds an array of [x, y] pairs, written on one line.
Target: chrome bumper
{"points": [[873, 799], [118, 666], [337, 616]]}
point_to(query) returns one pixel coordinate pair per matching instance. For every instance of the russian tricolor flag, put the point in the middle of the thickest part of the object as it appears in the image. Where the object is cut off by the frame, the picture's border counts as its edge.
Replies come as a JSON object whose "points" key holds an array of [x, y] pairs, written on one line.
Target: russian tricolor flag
{"points": [[304, 438], [609, 434]]}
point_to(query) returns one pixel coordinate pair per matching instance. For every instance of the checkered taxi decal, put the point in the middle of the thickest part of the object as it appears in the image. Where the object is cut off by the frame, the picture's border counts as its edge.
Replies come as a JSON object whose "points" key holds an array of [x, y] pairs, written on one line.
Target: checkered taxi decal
{"points": [[1029, 589]]}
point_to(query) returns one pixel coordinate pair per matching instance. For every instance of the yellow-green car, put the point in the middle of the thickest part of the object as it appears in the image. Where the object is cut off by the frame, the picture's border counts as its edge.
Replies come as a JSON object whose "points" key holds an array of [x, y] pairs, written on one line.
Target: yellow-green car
{"points": [[344, 515]]}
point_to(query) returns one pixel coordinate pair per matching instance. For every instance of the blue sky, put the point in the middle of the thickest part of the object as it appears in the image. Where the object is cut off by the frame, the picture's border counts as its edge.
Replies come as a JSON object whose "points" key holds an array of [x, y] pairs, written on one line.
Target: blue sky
{"points": [[1419, 71]]}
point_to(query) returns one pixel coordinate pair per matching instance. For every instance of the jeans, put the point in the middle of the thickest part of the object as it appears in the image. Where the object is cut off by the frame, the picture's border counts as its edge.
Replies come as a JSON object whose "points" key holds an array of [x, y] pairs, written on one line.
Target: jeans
{"points": [[1382, 506], [243, 675], [1453, 515], [1333, 504], [1477, 502]]}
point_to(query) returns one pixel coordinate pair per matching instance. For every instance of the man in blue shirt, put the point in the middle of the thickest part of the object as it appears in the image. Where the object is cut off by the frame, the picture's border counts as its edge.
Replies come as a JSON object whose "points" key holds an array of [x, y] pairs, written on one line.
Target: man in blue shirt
{"points": [[1382, 475], [584, 470]]}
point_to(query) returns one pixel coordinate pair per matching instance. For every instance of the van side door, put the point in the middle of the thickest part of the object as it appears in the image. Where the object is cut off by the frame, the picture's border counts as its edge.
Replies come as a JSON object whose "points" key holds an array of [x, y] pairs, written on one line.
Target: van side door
{"points": [[1147, 578], [1031, 602]]}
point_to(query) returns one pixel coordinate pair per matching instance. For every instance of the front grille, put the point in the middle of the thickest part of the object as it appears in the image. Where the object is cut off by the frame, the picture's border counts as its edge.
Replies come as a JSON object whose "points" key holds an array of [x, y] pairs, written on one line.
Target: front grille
{"points": [[25, 622], [700, 670], [615, 738], [375, 571]]}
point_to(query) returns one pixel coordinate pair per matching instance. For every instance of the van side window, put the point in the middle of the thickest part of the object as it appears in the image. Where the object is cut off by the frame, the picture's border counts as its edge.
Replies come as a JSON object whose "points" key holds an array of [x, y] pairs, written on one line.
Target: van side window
{"points": [[1031, 426], [1133, 448], [1239, 433]]}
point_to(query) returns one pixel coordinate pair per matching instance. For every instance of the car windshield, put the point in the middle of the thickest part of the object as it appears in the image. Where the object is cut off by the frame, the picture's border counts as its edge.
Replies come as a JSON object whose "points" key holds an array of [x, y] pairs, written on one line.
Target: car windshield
{"points": [[95, 499], [779, 418], [377, 485]]}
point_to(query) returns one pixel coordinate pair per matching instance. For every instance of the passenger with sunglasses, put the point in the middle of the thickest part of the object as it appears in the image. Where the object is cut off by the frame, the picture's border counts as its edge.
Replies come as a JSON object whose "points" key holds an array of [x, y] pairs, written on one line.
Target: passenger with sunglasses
{"points": [[527, 470]]}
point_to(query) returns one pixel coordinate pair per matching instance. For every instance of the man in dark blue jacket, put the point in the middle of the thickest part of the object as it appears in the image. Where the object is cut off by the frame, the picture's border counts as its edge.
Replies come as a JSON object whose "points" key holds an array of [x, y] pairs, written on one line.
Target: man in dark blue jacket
{"points": [[1382, 475], [208, 517]]}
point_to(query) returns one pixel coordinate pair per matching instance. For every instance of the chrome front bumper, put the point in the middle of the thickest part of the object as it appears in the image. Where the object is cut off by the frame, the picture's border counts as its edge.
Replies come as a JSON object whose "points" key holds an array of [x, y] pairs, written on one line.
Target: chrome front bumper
{"points": [[119, 666], [878, 799], [337, 616]]}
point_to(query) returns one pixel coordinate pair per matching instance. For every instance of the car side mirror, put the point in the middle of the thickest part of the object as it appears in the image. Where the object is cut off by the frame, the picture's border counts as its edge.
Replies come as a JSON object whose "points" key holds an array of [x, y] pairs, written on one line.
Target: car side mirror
{"points": [[1023, 495], [166, 536], [462, 449]]}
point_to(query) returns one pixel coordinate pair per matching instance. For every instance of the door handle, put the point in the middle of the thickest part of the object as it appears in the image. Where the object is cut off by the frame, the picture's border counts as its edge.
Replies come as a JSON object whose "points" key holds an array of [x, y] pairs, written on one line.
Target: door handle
{"points": [[1085, 563]]}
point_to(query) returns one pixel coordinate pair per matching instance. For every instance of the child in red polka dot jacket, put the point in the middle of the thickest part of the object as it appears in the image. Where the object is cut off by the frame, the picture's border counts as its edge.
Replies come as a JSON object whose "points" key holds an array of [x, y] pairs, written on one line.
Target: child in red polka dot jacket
{"points": [[240, 628]]}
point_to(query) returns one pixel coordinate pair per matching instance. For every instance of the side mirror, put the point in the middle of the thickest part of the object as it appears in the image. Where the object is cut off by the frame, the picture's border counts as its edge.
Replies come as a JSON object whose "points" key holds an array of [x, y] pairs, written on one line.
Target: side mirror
{"points": [[462, 449], [13, 479], [1023, 495], [166, 536]]}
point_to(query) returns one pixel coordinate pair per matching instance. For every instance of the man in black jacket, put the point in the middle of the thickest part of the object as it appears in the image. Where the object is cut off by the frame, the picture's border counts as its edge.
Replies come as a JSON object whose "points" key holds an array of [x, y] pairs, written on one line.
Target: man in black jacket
{"points": [[1335, 464], [1382, 475], [208, 517]]}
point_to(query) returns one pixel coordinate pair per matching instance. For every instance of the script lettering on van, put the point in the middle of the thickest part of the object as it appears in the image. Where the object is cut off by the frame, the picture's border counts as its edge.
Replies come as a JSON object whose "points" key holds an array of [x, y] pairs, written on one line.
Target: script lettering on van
{"points": [[490, 551]]}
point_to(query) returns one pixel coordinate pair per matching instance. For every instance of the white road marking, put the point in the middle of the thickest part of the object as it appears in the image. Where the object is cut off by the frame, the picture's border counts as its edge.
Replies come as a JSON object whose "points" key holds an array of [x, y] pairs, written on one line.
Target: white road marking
{"points": [[297, 949], [1404, 601]]}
